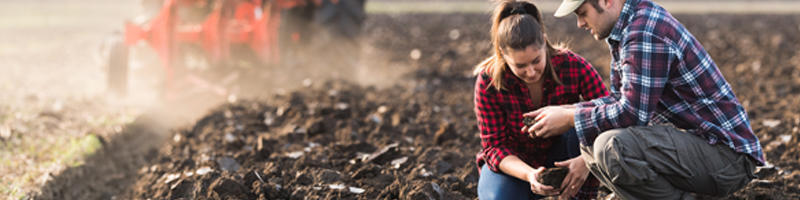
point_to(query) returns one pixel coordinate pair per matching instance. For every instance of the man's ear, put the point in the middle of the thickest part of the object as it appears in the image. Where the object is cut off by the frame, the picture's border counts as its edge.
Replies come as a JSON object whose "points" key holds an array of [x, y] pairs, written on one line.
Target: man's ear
{"points": [[607, 4]]}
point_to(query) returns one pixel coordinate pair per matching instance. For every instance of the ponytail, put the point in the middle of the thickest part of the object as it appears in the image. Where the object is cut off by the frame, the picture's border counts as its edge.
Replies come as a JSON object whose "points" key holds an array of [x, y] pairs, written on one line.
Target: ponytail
{"points": [[515, 25]]}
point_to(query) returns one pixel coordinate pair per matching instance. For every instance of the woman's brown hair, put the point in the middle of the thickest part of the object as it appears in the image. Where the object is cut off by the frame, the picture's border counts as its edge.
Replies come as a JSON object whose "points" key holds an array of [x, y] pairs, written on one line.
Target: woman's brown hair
{"points": [[515, 25]]}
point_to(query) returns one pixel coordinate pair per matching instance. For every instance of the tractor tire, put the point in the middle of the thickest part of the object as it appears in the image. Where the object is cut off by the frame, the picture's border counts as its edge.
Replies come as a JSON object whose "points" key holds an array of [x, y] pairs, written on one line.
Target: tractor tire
{"points": [[338, 37], [117, 78], [295, 31], [328, 32], [342, 19]]}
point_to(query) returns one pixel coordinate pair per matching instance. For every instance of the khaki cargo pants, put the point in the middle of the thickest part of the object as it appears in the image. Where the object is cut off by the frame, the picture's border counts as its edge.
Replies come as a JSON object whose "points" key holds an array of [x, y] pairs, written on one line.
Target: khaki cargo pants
{"points": [[662, 162]]}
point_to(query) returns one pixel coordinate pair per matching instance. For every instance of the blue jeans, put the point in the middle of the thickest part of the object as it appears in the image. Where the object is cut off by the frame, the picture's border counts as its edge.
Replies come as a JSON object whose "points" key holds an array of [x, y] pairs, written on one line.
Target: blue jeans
{"points": [[494, 185]]}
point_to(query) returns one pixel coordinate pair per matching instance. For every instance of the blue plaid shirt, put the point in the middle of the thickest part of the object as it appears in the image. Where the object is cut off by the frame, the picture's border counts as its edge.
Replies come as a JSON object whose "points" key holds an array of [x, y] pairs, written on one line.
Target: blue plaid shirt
{"points": [[661, 74]]}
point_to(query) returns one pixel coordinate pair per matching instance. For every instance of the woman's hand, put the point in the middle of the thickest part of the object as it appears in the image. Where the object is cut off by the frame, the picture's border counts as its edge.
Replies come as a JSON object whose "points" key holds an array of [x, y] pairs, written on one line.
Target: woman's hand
{"points": [[575, 178], [539, 188], [550, 121]]}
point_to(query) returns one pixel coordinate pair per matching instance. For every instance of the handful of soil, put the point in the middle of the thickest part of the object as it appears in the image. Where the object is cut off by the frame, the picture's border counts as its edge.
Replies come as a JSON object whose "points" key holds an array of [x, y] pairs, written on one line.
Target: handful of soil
{"points": [[553, 176], [528, 121]]}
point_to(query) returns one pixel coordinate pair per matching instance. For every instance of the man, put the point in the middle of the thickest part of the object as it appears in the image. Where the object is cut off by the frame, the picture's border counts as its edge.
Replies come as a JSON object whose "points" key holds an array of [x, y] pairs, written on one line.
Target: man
{"points": [[671, 126]]}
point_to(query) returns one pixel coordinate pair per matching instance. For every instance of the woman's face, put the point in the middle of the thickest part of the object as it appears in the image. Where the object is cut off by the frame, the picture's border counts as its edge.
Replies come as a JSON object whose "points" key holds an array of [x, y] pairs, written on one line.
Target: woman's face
{"points": [[527, 64]]}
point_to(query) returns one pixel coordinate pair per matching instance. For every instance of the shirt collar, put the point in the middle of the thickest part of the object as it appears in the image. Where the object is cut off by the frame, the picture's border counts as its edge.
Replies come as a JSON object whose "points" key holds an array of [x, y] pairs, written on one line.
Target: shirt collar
{"points": [[625, 17]]}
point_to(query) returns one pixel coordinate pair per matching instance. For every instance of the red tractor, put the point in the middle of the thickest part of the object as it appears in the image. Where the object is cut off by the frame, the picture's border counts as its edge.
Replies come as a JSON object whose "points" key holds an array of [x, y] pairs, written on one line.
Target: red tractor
{"points": [[225, 33]]}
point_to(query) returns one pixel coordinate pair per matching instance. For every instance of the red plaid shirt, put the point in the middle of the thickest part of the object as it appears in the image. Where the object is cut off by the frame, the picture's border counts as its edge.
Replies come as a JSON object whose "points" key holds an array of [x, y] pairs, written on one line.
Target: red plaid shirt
{"points": [[499, 113]]}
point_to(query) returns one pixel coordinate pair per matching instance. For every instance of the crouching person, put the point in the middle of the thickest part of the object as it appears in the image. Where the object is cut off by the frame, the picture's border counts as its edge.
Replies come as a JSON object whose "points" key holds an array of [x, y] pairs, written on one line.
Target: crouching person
{"points": [[525, 73], [672, 125]]}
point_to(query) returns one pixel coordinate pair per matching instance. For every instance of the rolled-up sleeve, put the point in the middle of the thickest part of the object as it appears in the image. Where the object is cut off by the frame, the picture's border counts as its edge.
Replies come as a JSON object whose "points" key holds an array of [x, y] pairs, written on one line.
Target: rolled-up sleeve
{"points": [[492, 125]]}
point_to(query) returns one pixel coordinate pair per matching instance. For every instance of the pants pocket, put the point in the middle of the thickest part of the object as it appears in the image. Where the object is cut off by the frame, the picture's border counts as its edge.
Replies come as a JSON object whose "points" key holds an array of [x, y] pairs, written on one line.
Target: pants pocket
{"points": [[731, 178], [661, 152]]}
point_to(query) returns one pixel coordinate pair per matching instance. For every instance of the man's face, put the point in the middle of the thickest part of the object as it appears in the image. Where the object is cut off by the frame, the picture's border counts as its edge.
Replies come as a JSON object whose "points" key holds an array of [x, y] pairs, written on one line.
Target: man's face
{"points": [[598, 21]]}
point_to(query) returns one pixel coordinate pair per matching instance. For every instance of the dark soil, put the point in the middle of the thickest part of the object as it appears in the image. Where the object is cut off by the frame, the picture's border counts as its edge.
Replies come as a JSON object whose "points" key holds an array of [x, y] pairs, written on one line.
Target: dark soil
{"points": [[528, 121], [324, 142], [553, 176], [417, 139]]}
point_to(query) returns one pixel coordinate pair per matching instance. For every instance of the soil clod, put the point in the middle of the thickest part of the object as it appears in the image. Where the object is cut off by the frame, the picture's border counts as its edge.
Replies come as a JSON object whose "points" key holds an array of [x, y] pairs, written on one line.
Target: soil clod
{"points": [[553, 176], [528, 121]]}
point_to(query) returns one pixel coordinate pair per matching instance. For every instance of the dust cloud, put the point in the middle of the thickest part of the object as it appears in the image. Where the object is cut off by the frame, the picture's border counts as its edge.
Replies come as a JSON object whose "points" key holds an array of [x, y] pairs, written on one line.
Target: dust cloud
{"points": [[54, 65]]}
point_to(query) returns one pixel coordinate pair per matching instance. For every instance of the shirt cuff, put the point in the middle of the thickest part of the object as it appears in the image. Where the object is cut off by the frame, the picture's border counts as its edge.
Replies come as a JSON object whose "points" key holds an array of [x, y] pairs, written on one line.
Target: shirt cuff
{"points": [[595, 102], [583, 104], [585, 126], [494, 155]]}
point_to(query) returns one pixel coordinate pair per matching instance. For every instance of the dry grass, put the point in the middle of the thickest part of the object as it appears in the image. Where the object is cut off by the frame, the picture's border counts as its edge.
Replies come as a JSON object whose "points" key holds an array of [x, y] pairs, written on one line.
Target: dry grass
{"points": [[46, 136]]}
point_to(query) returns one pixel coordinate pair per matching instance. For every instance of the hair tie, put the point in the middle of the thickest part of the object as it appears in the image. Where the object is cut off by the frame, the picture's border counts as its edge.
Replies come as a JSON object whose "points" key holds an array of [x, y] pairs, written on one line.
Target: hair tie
{"points": [[518, 11]]}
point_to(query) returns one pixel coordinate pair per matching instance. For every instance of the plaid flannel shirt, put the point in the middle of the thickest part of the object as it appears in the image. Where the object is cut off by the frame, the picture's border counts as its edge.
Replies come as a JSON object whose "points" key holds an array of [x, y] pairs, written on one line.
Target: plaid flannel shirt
{"points": [[499, 113], [661, 74]]}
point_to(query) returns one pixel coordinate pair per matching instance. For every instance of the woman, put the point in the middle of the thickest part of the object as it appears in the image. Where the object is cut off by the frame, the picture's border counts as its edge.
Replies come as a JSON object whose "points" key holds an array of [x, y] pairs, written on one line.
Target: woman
{"points": [[524, 73]]}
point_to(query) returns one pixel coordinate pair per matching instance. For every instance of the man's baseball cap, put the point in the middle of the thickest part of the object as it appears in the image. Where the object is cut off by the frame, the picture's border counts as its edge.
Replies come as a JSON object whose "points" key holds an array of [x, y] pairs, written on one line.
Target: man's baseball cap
{"points": [[567, 7]]}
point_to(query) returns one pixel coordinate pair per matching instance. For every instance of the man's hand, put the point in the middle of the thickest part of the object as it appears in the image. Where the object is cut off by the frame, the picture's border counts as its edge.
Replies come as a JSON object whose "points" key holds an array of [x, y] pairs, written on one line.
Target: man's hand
{"points": [[550, 121], [540, 188], [576, 177]]}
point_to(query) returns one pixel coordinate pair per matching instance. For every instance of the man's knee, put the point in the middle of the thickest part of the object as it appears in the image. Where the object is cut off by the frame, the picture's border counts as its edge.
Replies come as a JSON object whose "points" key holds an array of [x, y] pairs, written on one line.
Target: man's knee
{"points": [[608, 144], [615, 153]]}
